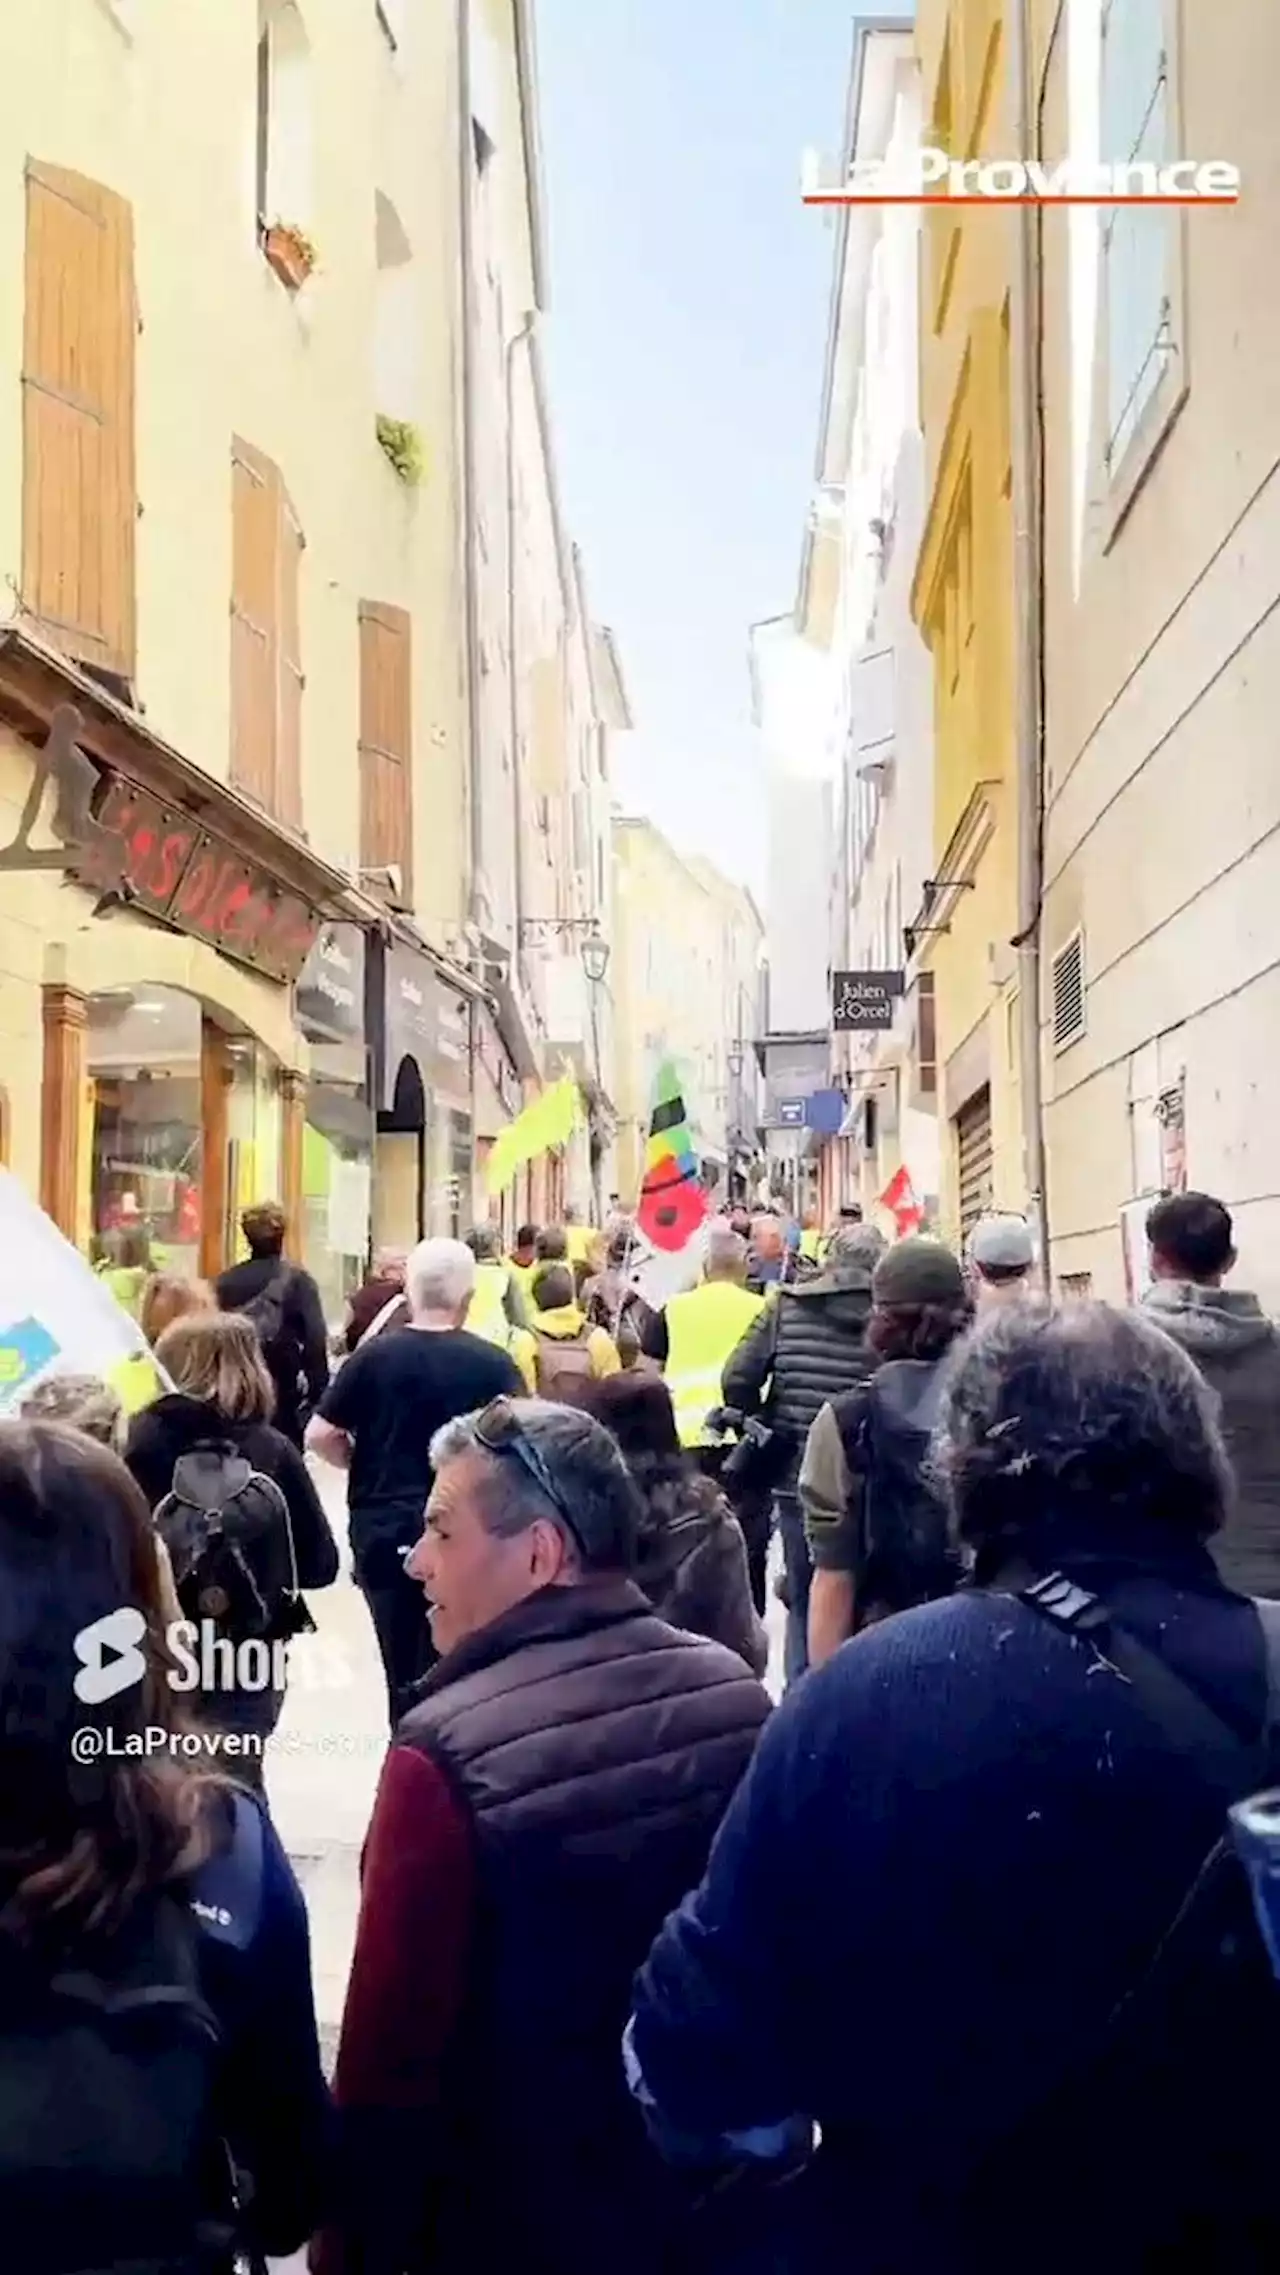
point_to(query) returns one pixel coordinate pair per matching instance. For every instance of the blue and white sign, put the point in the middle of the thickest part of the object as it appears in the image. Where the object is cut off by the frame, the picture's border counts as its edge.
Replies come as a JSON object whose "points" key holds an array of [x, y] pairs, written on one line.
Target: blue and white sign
{"points": [[791, 1113]]}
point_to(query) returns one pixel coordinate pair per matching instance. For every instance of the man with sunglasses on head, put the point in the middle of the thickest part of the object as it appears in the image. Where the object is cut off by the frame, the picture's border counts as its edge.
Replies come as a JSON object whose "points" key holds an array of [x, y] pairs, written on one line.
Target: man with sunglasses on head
{"points": [[550, 1798]]}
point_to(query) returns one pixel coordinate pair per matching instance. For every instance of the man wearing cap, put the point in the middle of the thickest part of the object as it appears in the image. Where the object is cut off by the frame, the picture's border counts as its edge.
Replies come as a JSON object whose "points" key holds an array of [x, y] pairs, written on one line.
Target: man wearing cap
{"points": [[876, 1534], [552, 1796], [1002, 1260]]}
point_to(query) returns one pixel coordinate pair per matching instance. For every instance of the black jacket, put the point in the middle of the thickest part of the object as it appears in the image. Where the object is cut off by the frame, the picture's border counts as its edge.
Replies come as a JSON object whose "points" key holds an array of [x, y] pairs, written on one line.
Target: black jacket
{"points": [[175, 1424], [807, 1346], [595, 1750], [692, 1562], [299, 1362]]}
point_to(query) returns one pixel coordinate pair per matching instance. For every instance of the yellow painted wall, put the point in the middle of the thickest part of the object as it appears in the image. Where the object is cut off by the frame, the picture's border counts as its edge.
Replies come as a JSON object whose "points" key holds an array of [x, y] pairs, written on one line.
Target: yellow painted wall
{"points": [[963, 597], [666, 924], [164, 114]]}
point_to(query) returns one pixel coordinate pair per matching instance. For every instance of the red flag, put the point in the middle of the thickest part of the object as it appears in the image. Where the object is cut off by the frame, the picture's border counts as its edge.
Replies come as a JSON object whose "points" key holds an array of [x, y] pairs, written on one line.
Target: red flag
{"points": [[903, 1203]]}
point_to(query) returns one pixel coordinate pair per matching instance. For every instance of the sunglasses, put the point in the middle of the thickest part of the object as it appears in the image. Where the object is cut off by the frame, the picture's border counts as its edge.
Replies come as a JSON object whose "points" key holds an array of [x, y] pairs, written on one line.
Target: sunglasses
{"points": [[500, 1431]]}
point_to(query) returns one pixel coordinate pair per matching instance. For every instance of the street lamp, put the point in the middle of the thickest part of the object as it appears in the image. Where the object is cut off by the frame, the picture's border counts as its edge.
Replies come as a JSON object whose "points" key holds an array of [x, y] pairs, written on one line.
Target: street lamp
{"points": [[595, 958]]}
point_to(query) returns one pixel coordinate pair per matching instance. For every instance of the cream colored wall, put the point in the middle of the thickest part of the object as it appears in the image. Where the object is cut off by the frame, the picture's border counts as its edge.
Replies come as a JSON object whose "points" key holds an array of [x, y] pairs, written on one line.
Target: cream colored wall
{"points": [[167, 119], [1163, 828]]}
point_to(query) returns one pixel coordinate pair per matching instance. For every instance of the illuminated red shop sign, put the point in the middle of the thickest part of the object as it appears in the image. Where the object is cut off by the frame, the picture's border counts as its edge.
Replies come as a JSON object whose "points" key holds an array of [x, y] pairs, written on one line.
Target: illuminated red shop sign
{"points": [[195, 882]]}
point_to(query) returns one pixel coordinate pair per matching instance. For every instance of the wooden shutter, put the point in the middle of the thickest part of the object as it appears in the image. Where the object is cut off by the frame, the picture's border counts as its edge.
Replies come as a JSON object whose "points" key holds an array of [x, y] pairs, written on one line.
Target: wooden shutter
{"points": [[79, 497], [974, 1159], [255, 630], [386, 742], [288, 785]]}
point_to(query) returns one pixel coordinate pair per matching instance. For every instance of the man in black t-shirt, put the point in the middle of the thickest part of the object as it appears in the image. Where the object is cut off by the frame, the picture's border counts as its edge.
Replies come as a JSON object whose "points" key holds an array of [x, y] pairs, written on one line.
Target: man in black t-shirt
{"points": [[377, 1421]]}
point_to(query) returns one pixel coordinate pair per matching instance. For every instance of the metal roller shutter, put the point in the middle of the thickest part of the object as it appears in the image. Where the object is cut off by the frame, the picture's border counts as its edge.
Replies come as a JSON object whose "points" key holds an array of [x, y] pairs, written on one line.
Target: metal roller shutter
{"points": [[973, 1148]]}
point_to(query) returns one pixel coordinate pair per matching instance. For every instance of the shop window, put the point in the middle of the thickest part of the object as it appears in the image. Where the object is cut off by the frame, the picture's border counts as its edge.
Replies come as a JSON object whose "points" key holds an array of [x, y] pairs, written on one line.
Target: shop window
{"points": [[146, 1155], [266, 639], [1142, 244], [386, 751], [79, 496]]}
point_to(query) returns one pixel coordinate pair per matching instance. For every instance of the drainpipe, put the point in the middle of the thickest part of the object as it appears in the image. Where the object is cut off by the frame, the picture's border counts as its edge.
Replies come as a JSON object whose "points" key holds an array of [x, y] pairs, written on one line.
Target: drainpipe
{"points": [[517, 340], [1025, 334], [470, 549]]}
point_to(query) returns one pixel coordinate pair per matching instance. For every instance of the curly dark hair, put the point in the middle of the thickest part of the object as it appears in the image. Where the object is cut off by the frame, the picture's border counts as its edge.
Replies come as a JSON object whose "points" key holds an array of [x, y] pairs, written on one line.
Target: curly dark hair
{"points": [[916, 1330], [82, 1842], [1049, 1415]]}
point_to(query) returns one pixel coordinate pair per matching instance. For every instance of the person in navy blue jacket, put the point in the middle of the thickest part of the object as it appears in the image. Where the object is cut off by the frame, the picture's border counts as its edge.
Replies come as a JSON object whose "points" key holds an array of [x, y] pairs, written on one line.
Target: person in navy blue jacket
{"points": [[138, 1887], [986, 1833]]}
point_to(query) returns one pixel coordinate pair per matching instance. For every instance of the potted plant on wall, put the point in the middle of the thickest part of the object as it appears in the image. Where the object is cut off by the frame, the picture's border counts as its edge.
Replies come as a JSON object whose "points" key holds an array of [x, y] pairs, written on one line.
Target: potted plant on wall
{"points": [[402, 443], [290, 253]]}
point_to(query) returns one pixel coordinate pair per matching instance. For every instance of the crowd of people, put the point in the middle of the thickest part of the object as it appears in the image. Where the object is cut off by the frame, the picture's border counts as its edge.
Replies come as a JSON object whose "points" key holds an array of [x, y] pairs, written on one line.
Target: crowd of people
{"points": [[962, 1957]]}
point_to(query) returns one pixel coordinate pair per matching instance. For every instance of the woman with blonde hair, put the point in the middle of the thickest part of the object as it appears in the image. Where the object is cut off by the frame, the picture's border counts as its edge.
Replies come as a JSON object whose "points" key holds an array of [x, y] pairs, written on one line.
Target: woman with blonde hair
{"points": [[166, 1297], [236, 1508]]}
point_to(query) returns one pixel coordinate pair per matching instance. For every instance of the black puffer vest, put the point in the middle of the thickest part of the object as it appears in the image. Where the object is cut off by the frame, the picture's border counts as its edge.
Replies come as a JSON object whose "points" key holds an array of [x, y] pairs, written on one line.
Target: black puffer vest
{"points": [[820, 1351], [595, 1749]]}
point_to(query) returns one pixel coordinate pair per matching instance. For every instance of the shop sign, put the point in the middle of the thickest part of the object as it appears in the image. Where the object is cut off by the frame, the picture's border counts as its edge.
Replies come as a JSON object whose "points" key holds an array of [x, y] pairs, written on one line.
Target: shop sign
{"points": [[408, 1016], [865, 1000], [330, 1000], [791, 1113], [194, 881]]}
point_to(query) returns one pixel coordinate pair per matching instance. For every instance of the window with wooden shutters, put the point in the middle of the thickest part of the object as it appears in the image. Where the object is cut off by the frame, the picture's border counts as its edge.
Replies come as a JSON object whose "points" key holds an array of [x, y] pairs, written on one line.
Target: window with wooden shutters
{"points": [[974, 1159], [386, 744], [266, 646], [79, 496]]}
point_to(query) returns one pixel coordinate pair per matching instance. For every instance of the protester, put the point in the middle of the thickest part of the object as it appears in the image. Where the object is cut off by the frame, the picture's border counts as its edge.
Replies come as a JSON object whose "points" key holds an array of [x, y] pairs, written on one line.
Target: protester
{"points": [[283, 1303], [610, 1301], [563, 1352], [380, 1303], [82, 1402], [1002, 1260], [523, 1258], [875, 1525], [578, 1236], [770, 1261], [550, 1798], [377, 1420], [1237, 1351], [134, 1881], [1005, 1800], [807, 1345], [166, 1297], [811, 1240], [498, 1305], [551, 1246], [691, 1558], [227, 1489], [127, 1268]]}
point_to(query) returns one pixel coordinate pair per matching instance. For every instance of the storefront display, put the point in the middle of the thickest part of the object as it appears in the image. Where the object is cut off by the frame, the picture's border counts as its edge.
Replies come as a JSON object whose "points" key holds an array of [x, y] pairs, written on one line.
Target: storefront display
{"points": [[337, 1162], [146, 1147]]}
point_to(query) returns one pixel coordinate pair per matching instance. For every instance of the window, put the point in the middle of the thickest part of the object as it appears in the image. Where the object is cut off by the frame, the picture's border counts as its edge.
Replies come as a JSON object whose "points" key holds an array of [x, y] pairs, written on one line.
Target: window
{"points": [[1068, 993], [397, 322], [283, 133], [79, 496], [386, 745], [1141, 244], [266, 637]]}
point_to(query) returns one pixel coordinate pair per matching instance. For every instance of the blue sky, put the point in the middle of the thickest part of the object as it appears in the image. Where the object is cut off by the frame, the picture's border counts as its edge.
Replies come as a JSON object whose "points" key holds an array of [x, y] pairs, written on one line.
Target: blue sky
{"points": [[684, 349]]}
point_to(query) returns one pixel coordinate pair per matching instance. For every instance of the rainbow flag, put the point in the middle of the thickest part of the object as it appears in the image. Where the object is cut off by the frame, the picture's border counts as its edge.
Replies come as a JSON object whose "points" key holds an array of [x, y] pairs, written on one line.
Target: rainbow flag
{"points": [[673, 1205]]}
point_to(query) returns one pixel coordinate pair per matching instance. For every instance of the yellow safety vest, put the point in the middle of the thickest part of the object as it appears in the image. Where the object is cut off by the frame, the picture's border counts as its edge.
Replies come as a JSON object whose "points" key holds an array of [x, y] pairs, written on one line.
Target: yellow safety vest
{"points": [[704, 1329], [811, 1246], [487, 1315]]}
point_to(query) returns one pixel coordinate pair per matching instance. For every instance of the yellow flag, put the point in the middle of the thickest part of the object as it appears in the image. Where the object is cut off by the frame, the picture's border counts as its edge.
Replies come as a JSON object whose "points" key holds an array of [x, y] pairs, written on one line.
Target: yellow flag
{"points": [[550, 1120]]}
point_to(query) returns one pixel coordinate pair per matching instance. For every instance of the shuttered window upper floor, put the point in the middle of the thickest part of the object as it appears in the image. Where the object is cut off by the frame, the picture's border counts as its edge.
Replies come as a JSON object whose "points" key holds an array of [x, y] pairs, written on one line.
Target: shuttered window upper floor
{"points": [[386, 747], [267, 680], [79, 490]]}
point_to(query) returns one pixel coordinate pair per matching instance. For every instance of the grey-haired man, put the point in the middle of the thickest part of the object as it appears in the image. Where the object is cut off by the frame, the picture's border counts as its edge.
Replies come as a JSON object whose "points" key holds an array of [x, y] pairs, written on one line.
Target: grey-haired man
{"points": [[552, 1796]]}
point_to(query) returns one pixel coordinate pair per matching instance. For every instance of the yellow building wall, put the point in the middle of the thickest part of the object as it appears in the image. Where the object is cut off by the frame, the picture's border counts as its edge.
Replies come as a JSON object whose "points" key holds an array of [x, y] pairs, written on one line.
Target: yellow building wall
{"points": [[165, 115], [963, 596], [665, 922]]}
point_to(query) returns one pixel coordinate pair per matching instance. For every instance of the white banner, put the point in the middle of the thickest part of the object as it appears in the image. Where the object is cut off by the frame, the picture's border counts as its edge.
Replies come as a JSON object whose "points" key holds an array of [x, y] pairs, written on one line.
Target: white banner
{"points": [[56, 1316]]}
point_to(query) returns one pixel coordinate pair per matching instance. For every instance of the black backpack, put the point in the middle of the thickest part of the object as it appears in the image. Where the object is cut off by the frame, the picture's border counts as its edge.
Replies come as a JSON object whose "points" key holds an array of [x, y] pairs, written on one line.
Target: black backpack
{"points": [[230, 1541], [1157, 2155], [906, 1555], [111, 2155]]}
